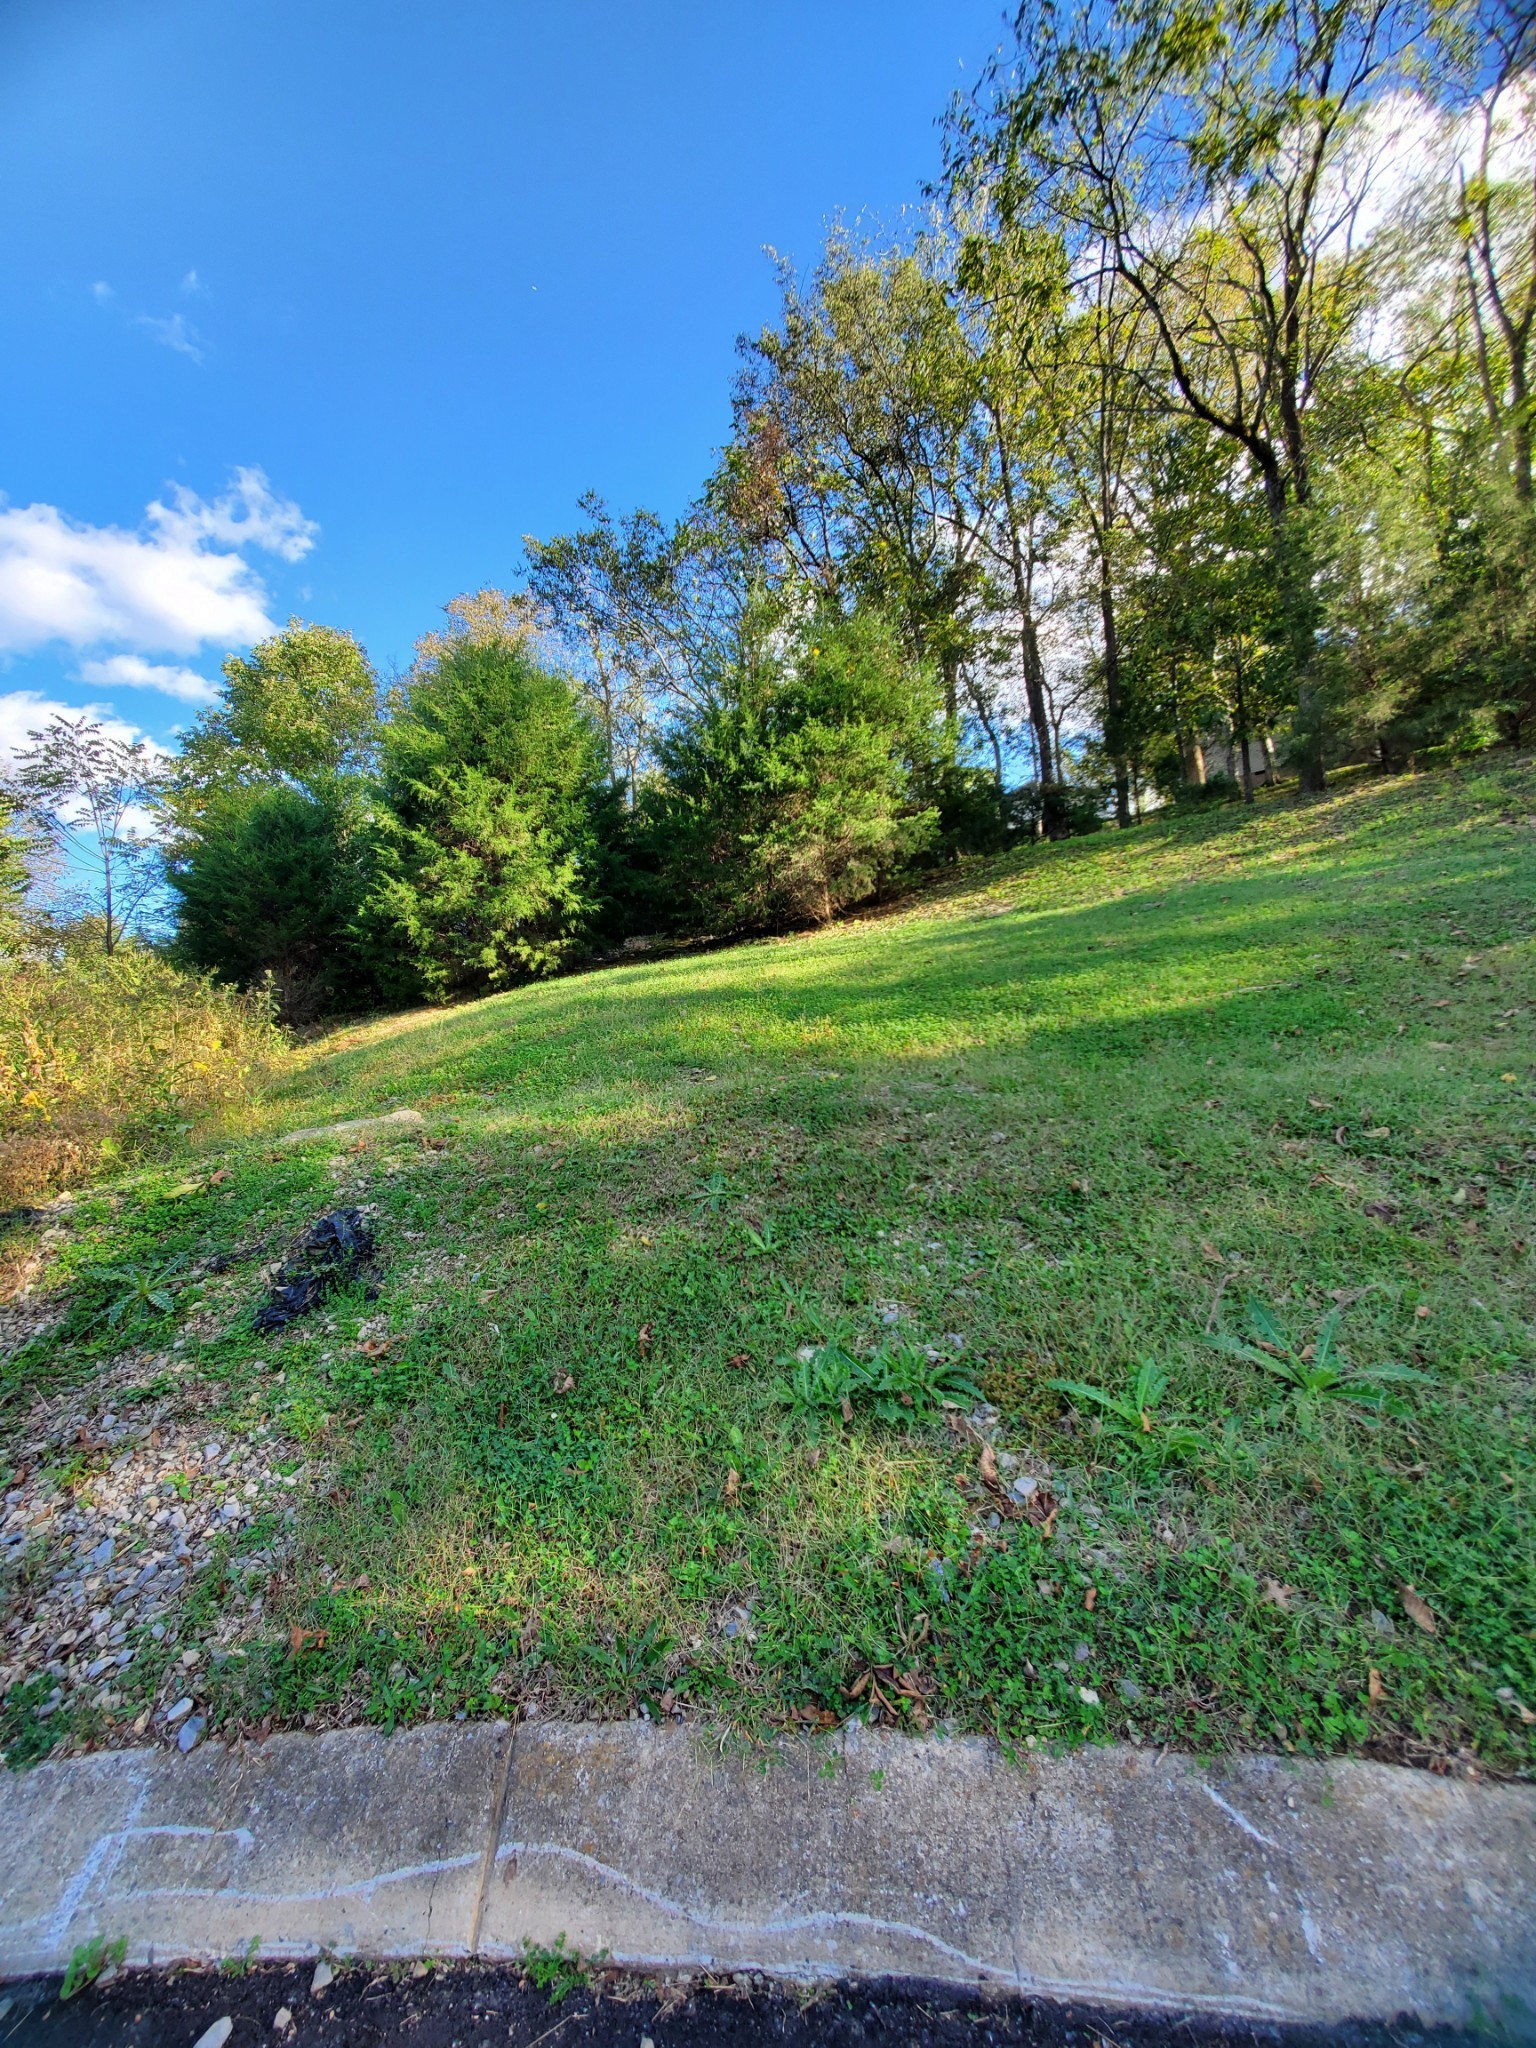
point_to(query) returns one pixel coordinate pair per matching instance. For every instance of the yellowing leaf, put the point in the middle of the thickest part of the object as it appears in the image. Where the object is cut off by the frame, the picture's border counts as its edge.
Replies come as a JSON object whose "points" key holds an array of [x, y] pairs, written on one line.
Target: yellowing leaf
{"points": [[1418, 1609]]}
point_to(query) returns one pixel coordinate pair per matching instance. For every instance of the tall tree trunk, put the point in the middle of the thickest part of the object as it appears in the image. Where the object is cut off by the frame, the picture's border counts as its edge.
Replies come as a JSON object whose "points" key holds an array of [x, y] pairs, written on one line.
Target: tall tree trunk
{"points": [[990, 729], [1191, 753], [1242, 724], [951, 692], [1114, 702], [1029, 640], [1520, 432], [1298, 605], [1034, 693]]}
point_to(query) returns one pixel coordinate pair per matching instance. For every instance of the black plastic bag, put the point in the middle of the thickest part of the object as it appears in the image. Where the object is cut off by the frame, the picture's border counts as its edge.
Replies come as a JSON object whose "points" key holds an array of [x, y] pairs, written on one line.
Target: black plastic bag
{"points": [[328, 1255]]}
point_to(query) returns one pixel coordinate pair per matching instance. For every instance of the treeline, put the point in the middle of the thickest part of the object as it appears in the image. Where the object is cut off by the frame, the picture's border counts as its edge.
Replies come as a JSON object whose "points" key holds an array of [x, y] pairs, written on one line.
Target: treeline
{"points": [[463, 829], [1186, 442]]}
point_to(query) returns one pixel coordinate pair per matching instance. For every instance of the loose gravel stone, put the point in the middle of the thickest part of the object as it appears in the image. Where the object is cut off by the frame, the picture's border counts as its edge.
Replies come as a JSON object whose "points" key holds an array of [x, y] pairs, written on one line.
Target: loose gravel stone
{"points": [[95, 1568]]}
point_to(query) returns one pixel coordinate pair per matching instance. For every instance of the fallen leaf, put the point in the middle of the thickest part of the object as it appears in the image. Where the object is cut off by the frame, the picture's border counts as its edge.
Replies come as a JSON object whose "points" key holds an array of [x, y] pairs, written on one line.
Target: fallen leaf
{"points": [[847, 1407], [667, 1701], [1374, 1686], [1316, 1102], [1278, 1595], [1090, 1597], [732, 1484], [647, 1332], [217, 1180], [740, 1358], [565, 1384], [988, 1466], [1422, 1311], [307, 1638], [1418, 1609], [1209, 1251]]}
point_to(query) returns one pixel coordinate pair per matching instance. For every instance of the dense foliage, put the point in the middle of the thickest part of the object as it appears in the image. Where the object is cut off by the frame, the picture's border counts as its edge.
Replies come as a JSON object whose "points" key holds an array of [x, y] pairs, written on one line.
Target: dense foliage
{"points": [[491, 771], [105, 1058], [805, 792], [272, 889]]}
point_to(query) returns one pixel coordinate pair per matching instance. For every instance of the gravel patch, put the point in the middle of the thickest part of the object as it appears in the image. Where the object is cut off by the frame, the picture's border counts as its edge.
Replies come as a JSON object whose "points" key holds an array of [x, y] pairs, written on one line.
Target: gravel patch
{"points": [[109, 1520]]}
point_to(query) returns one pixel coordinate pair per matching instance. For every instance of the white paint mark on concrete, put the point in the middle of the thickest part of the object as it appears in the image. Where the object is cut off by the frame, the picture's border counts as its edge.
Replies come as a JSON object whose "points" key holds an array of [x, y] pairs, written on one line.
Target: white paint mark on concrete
{"points": [[1242, 1820], [719, 1924], [107, 1849], [864, 1923]]}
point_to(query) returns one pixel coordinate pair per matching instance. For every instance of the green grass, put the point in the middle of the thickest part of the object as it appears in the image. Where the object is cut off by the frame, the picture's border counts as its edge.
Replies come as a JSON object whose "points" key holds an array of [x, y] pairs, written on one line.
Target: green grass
{"points": [[1073, 1108]]}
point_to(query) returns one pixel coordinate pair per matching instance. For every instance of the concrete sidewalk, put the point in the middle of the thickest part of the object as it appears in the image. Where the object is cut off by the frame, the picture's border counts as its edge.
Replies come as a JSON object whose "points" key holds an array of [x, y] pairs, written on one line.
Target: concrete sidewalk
{"points": [[1261, 1888]]}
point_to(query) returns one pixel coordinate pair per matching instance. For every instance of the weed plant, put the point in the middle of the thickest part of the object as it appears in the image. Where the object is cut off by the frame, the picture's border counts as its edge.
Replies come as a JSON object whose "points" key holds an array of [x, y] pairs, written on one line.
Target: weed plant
{"points": [[108, 1060]]}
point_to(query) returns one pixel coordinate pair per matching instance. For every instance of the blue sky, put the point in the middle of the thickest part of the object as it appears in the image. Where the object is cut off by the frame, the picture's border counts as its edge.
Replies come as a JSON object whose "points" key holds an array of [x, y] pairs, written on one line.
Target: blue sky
{"points": [[320, 305]]}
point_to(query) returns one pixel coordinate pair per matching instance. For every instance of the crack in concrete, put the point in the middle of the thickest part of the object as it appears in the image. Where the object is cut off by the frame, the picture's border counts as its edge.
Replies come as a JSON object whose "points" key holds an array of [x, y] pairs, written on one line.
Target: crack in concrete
{"points": [[492, 1838]]}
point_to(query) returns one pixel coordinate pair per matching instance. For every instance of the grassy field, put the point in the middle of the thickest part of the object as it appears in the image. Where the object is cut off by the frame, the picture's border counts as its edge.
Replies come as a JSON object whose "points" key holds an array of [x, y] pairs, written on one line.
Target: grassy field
{"points": [[713, 1365]]}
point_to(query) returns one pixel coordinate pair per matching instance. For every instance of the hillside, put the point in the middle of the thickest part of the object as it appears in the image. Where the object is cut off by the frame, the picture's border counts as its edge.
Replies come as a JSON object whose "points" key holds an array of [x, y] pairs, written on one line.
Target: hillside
{"points": [[649, 1411]]}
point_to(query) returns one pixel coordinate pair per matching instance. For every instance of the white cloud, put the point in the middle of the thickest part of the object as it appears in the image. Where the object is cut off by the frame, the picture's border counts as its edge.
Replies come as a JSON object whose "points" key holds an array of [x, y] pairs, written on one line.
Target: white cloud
{"points": [[101, 291], [247, 515], [133, 672], [177, 332], [172, 589], [193, 283]]}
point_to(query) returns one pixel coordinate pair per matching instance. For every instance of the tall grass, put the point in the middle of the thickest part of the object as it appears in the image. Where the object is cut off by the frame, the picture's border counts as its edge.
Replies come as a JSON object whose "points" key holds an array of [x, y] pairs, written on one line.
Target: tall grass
{"points": [[109, 1059]]}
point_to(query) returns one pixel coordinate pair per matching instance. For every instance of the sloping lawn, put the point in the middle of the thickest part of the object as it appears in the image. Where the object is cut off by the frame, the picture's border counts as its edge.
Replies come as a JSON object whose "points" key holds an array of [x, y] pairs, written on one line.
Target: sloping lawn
{"points": [[711, 1369]]}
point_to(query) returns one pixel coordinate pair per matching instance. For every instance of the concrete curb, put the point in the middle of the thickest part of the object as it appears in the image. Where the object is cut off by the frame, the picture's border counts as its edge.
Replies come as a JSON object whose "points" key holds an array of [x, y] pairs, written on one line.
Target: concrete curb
{"points": [[1261, 1888]]}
